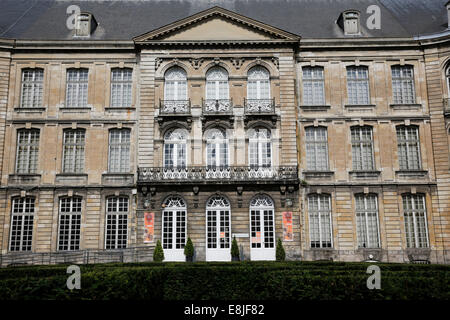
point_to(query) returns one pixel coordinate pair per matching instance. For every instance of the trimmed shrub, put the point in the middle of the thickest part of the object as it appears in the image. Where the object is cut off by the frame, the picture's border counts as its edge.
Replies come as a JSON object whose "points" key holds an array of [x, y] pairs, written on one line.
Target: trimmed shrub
{"points": [[158, 253], [235, 249], [244, 281], [280, 253], [189, 249]]}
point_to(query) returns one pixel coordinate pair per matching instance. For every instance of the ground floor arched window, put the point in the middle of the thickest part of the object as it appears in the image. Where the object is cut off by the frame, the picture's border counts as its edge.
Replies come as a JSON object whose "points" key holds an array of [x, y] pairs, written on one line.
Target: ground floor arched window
{"points": [[174, 218], [218, 229]]}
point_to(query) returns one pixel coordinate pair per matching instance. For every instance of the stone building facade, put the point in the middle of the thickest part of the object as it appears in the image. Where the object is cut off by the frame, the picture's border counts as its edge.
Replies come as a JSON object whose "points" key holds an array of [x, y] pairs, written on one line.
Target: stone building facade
{"points": [[219, 126]]}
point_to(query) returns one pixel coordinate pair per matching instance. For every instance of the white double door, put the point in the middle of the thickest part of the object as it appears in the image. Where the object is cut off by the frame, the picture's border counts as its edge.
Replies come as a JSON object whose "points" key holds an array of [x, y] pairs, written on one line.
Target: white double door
{"points": [[174, 235], [262, 234], [218, 235]]}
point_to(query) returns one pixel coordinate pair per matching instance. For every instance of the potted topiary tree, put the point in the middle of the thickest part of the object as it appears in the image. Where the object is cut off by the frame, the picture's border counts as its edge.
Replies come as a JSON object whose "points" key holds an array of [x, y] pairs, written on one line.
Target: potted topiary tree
{"points": [[189, 250], [280, 253], [234, 250], [158, 253]]}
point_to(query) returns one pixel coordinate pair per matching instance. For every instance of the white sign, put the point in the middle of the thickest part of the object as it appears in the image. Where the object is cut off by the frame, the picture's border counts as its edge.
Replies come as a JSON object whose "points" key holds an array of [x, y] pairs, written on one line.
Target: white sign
{"points": [[240, 235]]}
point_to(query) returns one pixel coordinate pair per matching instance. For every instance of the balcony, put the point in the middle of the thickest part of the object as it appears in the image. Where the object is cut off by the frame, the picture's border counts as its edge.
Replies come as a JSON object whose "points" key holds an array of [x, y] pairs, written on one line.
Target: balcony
{"points": [[221, 175], [217, 106], [447, 107], [174, 107], [259, 106]]}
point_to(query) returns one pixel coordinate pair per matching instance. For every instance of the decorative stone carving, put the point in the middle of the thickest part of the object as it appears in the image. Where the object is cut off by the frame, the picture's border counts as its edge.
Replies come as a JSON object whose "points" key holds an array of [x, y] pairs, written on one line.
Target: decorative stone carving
{"points": [[237, 62], [196, 63]]}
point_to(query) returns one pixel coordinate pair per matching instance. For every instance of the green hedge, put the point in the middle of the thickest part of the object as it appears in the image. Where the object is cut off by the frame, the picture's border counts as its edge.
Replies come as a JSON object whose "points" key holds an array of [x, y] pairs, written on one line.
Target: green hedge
{"points": [[228, 281]]}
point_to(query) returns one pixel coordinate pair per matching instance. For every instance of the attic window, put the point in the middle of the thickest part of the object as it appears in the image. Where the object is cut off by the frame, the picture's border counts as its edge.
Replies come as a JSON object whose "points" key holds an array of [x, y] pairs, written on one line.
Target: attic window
{"points": [[350, 22], [85, 25]]}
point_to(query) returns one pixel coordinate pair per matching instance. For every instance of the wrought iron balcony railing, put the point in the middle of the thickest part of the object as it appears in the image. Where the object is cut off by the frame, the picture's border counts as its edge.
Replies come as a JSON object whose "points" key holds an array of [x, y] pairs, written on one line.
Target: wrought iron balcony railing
{"points": [[217, 174], [259, 106], [174, 107], [217, 106]]}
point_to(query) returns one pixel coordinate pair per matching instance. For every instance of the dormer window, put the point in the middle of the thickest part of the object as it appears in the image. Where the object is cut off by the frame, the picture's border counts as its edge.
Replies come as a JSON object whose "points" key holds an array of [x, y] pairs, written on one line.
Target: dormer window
{"points": [[349, 21], [85, 25]]}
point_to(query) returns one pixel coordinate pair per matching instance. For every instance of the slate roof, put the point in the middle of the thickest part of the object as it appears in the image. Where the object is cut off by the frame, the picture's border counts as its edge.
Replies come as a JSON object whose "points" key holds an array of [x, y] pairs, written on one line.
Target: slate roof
{"points": [[126, 19]]}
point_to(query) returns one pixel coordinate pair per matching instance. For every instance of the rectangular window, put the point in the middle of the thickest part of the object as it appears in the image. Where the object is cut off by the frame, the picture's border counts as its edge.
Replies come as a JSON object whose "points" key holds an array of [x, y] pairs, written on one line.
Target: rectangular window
{"points": [[77, 88], [32, 88], [320, 232], [69, 223], [415, 221], [362, 149], [358, 85], [313, 86], [403, 85], [316, 149], [27, 151], [408, 147], [119, 150], [116, 223], [121, 87], [73, 149], [22, 217], [367, 221]]}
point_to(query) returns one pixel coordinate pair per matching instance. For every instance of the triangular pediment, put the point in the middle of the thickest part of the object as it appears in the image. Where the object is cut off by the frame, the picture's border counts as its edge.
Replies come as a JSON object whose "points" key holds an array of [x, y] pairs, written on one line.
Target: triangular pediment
{"points": [[216, 24]]}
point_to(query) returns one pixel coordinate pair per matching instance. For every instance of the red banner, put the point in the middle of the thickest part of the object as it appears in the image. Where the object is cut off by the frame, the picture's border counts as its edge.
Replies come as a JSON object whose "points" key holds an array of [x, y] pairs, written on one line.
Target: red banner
{"points": [[288, 234], [149, 223]]}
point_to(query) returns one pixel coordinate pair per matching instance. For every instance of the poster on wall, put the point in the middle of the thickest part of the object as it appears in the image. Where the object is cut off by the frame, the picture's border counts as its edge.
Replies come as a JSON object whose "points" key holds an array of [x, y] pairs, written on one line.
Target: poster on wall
{"points": [[257, 237], [288, 234], [149, 221]]}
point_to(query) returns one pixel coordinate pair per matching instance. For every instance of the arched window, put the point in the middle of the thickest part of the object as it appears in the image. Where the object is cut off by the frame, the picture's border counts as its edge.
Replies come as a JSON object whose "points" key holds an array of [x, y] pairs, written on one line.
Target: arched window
{"points": [[408, 146], [217, 84], [218, 229], [174, 228], [262, 228], [175, 145], [216, 148], [258, 86], [260, 147], [175, 84], [415, 216]]}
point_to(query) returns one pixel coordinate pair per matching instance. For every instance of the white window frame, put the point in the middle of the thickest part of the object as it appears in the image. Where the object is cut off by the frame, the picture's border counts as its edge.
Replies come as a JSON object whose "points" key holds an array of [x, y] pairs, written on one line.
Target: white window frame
{"points": [[176, 77], [25, 217], [319, 213], [261, 204], [78, 96], [407, 145], [33, 88], [316, 144], [218, 207], [402, 81], [364, 212], [177, 143], [415, 211], [74, 223], [121, 89], [32, 161], [121, 148], [260, 147], [360, 145], [358, 79], [215, 77], [117, 213], [174, 250], [214, 143], [314, 77], [259, 77], [78, 151]]}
